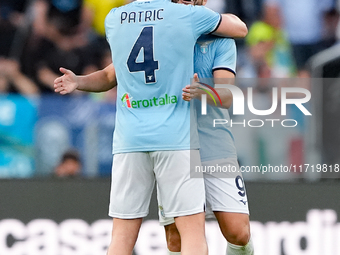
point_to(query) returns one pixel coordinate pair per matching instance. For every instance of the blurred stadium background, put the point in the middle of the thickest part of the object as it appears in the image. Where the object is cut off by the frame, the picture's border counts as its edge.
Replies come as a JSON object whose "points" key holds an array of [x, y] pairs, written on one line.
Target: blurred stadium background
{"points": [[55, 151]]}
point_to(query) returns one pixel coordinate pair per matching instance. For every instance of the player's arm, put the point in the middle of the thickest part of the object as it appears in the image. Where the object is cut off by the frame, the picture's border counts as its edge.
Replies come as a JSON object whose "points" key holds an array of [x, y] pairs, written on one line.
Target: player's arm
{"points": [[224, 66], [224, 77], [224, 69], [225, 25], [231, 26], [99, 81], [220, 77]]}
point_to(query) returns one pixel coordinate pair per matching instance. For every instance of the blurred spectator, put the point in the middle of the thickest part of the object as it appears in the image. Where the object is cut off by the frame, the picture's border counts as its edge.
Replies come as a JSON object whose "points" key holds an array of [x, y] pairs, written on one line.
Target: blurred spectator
{"points": [[13, 80], [68, 16], [69, 166], [217, 5], [97, 10], [94, 13], [13, 34], [12, 14], [304, 23], [62, 36], [269, 50], [248, 10], [66, 49], [338, 23], [330, 29]]}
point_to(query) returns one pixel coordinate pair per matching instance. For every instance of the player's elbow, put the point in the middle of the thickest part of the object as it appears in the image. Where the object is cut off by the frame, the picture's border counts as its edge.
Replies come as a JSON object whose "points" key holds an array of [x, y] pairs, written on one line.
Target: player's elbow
{"points": [[242, 27], [243, 31], [238, 29]]}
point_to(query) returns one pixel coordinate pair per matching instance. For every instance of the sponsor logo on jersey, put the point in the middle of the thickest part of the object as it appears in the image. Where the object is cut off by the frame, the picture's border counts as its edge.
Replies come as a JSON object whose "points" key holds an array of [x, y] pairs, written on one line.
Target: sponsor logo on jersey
{"points": [[146, 103], [126, 100]]}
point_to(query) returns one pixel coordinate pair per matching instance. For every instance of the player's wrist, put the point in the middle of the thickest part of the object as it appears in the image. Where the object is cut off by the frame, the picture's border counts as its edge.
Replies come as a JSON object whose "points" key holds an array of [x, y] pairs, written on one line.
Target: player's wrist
{"points": [[79, 82]]}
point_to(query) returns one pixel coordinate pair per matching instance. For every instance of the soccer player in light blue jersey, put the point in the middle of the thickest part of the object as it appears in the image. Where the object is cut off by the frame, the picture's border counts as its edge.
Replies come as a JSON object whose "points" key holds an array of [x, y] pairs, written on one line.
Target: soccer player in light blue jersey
{"points": [[152, 59], [215, 57]]}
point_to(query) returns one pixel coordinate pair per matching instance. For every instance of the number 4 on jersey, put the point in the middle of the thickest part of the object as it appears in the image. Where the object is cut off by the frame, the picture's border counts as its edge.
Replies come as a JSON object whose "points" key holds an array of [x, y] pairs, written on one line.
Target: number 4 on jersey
{"points": [[149, 65]]}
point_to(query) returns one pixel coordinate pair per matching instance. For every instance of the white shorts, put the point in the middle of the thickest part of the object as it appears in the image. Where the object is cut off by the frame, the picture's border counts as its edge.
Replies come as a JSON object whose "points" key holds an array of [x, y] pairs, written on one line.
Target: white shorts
{"points": [[133, 178], [222, 194]]}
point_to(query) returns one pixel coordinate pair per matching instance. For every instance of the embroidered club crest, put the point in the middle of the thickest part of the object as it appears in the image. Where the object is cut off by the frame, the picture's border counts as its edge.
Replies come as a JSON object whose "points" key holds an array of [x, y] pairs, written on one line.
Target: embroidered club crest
{"points": [[204, 46]]}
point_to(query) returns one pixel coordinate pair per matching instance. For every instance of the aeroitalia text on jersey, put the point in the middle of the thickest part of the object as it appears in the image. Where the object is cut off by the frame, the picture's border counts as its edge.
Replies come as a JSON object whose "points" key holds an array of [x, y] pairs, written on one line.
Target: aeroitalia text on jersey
{"points": [[145, 103]]}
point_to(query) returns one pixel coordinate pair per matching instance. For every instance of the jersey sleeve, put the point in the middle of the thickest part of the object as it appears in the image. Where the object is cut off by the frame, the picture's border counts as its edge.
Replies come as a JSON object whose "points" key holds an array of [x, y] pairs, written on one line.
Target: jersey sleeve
{"points": [[225, 58], [204, 20], [109, 24]]}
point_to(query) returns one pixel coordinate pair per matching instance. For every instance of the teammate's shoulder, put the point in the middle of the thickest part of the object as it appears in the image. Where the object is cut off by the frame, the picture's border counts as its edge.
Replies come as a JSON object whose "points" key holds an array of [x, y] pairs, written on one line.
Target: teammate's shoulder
{"points": [[224, 41], [210, 37]]}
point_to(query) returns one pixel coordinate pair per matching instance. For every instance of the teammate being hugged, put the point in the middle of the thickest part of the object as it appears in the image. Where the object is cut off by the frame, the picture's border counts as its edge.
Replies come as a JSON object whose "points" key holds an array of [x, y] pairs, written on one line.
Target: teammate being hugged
{"points": [[215, 57]]}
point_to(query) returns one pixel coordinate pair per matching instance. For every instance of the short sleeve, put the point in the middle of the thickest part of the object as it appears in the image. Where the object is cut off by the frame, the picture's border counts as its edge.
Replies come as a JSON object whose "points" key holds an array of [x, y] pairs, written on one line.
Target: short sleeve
{"points": [[225, 57], [109, 24], [204, 20]]}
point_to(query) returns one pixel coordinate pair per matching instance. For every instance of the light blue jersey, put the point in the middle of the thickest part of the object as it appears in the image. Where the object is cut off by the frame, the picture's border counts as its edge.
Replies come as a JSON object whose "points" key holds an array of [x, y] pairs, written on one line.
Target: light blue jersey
{"points": [[213, 53], [152, 44]]}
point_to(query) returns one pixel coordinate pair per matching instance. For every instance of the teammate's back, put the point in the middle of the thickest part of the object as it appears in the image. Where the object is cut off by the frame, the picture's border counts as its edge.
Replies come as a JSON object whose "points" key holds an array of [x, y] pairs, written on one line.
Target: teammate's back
{"points": [[152, 46]]}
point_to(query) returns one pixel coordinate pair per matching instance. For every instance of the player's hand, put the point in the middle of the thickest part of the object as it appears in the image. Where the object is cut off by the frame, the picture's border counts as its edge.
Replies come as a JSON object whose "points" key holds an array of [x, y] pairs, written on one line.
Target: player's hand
{"points": [[191, 91], [67, 83]]}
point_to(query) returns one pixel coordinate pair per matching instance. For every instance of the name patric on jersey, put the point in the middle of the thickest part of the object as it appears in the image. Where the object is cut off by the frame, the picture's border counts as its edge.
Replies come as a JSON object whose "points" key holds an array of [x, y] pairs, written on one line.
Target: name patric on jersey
{"points": [[141, 16]]}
